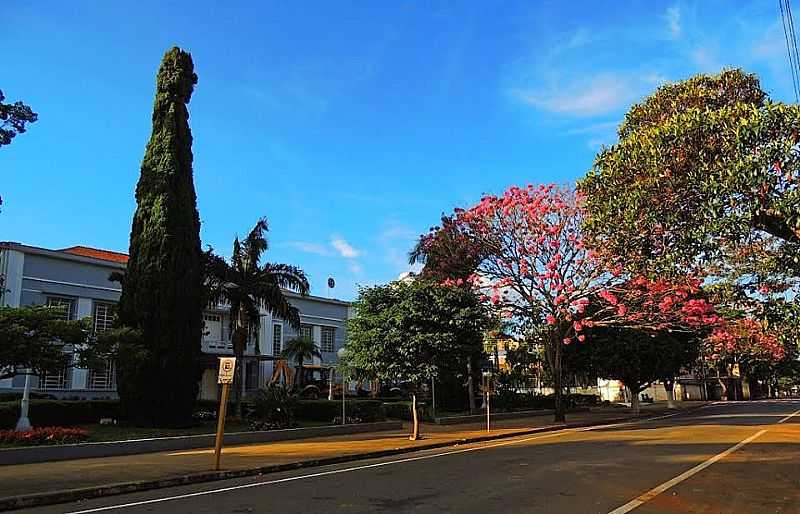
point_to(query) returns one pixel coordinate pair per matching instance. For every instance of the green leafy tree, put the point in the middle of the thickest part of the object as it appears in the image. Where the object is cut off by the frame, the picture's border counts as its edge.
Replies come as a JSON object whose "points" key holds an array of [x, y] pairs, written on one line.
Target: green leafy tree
{"points": [[162, 290], [637, 358], [40, 340], [300, 350], [13, 118], [705, 173], [408, 331], [247, 285]]}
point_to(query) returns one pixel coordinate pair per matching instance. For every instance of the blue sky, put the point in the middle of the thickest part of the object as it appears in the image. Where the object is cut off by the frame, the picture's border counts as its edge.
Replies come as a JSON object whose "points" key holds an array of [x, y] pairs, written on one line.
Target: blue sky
{"points": [[350, 125]]}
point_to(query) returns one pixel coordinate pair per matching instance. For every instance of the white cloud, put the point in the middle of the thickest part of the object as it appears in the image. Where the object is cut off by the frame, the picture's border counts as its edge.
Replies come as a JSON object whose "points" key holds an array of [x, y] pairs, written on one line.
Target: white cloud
{"points": [[705, 59], [307, 247], [344, 248], [397, 232], [673, 17], [356, 268], [604, 133], [603, 127], [603, 93]]}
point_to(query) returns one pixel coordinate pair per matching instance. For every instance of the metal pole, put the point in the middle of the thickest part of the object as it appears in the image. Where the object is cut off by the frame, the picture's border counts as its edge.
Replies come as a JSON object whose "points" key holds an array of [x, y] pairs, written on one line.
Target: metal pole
{"points": [[488, 410], [344, 418], [433, 398], [23, 423], [331, 373], [223, 407]]}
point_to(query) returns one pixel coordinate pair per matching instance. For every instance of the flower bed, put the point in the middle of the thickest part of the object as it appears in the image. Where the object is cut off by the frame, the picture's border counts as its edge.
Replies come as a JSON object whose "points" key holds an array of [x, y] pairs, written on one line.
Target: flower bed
{"points": [[44, 435]]}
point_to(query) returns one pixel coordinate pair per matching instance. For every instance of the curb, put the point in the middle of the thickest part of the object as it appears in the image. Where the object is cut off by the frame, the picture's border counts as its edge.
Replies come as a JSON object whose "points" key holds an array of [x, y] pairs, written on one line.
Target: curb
{"points": [[37, 454], [86, 493], [478, 418]]}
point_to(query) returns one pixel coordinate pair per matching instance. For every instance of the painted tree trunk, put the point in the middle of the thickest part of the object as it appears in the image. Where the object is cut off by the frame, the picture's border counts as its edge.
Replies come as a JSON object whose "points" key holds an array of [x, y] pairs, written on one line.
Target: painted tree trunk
{"points": [[669, 387], [415, 419]]}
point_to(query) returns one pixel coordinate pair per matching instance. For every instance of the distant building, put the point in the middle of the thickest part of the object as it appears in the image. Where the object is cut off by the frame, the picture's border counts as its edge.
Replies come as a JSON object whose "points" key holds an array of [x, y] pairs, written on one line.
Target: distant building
{"points": [[76, 279]]}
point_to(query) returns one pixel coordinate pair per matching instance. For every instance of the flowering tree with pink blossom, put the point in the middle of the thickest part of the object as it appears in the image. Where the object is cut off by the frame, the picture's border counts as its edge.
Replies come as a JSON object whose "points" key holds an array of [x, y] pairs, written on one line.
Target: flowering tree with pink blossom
{"points": [[532, 263]]}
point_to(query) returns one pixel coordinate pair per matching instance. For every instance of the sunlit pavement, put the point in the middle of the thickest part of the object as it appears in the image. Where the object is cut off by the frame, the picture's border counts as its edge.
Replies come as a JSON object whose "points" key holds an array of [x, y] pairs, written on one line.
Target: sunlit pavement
{"points": [[601, 470]]}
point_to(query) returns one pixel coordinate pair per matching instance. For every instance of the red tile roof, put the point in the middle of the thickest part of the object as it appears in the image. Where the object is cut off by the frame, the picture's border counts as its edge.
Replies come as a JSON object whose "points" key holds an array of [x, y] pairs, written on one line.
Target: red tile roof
{"points": [[96, 253]]}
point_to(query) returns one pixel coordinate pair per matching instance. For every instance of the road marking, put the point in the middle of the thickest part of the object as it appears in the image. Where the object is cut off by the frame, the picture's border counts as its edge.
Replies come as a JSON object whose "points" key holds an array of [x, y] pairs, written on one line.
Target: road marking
{"points": [[652, 493], [319, 474], [561, 432], [787, 418]]}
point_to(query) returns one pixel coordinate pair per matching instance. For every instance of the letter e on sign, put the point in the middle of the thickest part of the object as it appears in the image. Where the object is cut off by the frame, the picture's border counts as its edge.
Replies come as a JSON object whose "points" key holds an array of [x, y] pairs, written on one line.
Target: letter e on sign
{"points": [[226, 367]]}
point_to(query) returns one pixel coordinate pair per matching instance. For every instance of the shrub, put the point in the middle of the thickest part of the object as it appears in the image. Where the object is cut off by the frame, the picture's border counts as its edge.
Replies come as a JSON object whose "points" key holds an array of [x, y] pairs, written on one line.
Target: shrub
{"points": [[582, 400], [327, 410], [203, 415], [348, 420], [45, 435], [15, 397], [213, 406], [62, 413], [274, 407], [506, 400], [402, 410], [9, 413]]}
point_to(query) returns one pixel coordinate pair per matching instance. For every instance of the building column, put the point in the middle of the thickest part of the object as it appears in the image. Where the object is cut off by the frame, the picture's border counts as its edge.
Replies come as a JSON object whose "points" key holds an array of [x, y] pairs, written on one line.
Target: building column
{"points": [[11, 265]]}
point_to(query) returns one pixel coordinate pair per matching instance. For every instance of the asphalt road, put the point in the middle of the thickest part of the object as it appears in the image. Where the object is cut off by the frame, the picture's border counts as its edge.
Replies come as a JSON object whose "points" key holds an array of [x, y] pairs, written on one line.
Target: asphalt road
{"points": [[724, 458]]}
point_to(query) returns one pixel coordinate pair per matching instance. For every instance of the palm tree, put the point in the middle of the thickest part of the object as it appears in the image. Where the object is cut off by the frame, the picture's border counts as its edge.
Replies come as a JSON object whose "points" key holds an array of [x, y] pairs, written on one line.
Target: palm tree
{"points": [[247, 285], [301, 349]]}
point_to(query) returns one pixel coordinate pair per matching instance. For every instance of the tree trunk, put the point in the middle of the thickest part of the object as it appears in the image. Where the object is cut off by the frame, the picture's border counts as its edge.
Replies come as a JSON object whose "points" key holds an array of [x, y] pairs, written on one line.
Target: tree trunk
{"points": [[470, 387], [669, 387], [415, 418], [558, 388], [239, 343], [300, 374], [635, 406]]}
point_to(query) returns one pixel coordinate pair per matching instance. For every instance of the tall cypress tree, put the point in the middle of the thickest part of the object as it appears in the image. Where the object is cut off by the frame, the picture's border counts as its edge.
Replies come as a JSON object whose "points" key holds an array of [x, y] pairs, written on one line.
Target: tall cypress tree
{"points": [[162, 287]]}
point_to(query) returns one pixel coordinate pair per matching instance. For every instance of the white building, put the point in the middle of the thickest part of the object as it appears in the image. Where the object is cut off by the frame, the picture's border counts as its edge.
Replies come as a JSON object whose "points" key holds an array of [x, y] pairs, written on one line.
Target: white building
{"points": [[77, 280]]}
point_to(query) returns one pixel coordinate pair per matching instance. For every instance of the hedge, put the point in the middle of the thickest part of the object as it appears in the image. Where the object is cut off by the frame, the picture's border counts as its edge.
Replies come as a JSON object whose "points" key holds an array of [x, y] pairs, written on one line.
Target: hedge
{"points": [[15, 397], [402, 410], [62, 413], [326, 410], [511, 401], [213, 406]]}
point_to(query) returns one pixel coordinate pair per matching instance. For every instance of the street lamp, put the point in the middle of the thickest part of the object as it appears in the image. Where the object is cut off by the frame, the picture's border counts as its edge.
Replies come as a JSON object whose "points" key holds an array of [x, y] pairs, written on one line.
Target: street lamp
{"points": [[341, 353]]}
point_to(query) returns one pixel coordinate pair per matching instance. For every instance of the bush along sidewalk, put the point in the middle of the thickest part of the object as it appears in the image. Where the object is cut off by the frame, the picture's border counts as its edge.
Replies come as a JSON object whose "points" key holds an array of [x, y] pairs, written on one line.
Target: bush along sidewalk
{"points": [[367, 411], [63, 413]]}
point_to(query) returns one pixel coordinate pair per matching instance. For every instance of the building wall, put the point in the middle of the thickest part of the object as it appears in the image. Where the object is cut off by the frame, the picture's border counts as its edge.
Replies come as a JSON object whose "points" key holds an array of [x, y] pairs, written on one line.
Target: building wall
{"points": [[34, 274]]}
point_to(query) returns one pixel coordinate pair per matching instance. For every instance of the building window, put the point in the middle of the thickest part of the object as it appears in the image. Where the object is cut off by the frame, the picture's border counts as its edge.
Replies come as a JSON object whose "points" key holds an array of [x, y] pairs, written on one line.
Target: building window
{"points": [[103, 316], [328, 338], [103, 377], [212, 332], [307, 332], [277, 339], [251, 378], [59, 379], [63, 305]]}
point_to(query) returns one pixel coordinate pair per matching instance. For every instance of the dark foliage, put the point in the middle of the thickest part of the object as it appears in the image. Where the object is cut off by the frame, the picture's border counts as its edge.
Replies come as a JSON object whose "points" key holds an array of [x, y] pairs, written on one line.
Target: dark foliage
{"points": [[162, 288]]}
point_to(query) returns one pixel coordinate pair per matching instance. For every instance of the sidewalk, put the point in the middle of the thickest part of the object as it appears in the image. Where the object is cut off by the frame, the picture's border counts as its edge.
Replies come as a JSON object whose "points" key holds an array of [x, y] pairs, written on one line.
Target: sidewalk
{"points": [[29, 479]]}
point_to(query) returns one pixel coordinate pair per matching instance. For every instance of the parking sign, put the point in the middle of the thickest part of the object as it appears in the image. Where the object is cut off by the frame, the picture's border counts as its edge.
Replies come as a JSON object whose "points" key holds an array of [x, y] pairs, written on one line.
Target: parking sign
{"points": [[226, 367]]}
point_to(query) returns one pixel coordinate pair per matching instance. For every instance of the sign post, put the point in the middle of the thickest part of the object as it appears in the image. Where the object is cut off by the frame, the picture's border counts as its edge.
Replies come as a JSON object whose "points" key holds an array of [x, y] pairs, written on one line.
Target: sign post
{"points": [[227, 365], [487, 390]]}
